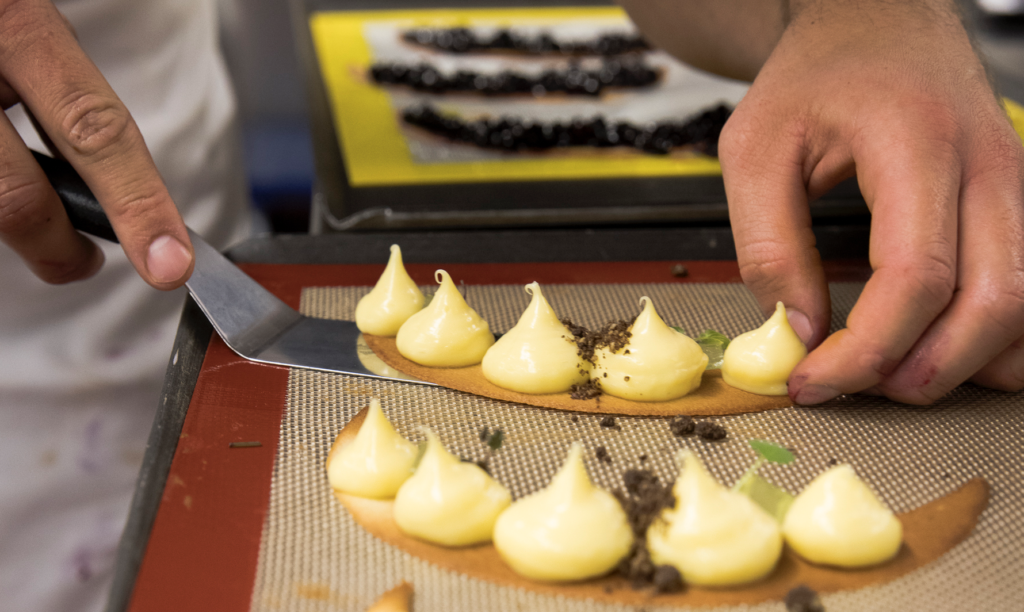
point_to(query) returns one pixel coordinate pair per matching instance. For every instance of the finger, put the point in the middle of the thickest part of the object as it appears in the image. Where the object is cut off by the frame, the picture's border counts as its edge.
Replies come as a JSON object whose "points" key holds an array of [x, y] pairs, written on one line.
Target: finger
{"points": [[1006, 371], [771, 225], [32, 220], [913, 203], [987, 312], [94, 131]]}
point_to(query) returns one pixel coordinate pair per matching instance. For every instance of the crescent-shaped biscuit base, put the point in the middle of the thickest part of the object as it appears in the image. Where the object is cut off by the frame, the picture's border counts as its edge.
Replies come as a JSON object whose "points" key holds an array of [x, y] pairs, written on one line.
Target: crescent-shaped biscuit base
{"points": [[928, 532], [713, 398]]}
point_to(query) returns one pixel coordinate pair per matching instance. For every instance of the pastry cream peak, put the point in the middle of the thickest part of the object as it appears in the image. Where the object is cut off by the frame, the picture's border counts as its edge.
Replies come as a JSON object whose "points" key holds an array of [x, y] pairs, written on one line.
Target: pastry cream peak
{"points": [[657, 364], [837, 520], [447, 333], [761, 360], [538, 355], [392, 300], [571, 530], [449, 501], [713, 536], [376, 462]]}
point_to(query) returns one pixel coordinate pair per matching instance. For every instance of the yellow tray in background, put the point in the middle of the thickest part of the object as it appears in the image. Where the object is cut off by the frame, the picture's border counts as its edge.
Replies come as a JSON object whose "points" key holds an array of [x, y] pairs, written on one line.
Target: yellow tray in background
{"points": [[375, 151]]}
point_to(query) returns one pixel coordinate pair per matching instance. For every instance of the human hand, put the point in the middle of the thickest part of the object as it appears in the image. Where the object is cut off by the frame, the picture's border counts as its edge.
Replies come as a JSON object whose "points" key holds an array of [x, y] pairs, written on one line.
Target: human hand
{"points": [[42, 66], [894, 94]]}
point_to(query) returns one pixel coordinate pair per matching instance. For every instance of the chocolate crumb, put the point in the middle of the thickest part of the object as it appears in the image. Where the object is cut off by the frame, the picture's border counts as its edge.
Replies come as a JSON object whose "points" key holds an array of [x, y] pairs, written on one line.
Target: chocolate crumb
{"points": [[608, 589], [680, 271], [483, 465], [709, 430], [802, 598], [833, 461], [681, 425], [946, 476], [626, 378], [585, 391], [574, 418], [602, 454], [609, 423], [485, 434], [667, 579], [643, 458], [613, 335], [643, 500]]}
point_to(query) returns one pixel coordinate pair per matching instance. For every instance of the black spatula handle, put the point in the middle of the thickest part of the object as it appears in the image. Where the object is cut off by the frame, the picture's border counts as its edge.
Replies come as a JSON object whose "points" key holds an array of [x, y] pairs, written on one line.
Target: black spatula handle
{"points": [[83, 209]]}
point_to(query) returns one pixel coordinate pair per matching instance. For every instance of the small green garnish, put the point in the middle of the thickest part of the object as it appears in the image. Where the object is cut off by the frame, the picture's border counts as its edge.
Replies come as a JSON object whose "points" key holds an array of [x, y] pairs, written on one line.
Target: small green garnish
{"points": [[770, 498], [772, 452], [495, 439], [713, 343]]}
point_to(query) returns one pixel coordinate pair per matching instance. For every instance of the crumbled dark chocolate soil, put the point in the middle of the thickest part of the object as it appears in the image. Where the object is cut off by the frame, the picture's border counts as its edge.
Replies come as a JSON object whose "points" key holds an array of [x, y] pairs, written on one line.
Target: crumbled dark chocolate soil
{"points": [[485, 433], [643, 500], [505, 40], [574, 418], [608, 422], [803, 599], [709, 430], [602, 454], [613, 335], [585, 391], [681, 425], [667, 579]]}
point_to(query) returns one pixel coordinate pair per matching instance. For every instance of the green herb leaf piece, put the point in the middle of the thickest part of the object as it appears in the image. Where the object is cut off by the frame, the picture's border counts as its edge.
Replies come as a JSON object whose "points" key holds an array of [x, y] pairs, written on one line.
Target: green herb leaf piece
{"points": [[772, 452], [770, 498], [713, 344], [495, 440]]}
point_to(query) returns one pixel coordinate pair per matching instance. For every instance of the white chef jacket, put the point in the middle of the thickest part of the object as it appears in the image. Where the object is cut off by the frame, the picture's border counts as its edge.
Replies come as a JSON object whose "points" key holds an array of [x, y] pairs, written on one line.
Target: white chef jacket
{"points": [[81, 365]]}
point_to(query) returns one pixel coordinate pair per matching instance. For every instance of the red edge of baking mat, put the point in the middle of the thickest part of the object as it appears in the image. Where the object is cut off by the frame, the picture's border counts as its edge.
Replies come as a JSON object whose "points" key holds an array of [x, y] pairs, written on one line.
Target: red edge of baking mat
{"points": [[204, 546]]}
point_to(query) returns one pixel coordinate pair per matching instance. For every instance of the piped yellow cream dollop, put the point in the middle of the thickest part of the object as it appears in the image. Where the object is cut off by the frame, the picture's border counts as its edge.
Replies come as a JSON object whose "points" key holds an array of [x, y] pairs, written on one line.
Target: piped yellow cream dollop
{"points": [[448, 501], [571, 530], [713, 536], [538, 355], [761, 360], [657, 364], [837, 520], [392, 300], [447, 333], [376, 462]]}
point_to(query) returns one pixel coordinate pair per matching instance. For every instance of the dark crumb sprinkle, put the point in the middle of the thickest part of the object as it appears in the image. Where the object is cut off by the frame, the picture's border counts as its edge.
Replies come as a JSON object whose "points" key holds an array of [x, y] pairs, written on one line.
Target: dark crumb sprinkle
{"points": [[574, 419], [626, 378], [643, 458], [709, 430], [833, 461], [485, 434], [667, 579], [643, 500], [585, 391], [613, 335], [609, 423], [608, 588], [680, 271], [681, 425], [602, 454], [803, 599], [484, 465], [946, 476]]}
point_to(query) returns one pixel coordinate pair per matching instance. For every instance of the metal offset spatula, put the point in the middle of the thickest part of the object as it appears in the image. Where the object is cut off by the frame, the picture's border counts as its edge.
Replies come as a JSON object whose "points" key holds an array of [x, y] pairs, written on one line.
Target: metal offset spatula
{"points": [[253, 322]]}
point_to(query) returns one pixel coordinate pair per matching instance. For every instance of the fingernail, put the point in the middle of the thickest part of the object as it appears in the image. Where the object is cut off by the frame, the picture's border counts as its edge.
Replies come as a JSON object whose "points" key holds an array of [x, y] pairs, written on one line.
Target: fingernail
{"points": [[800, 324], [815, 394], [168, 259]]}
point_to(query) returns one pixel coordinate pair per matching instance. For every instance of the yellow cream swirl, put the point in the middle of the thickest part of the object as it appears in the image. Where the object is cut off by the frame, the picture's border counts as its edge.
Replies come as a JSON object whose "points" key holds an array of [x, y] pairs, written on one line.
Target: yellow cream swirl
{"points": [[448, 501], [761, 360], [447, 333], [713, 536], [571, 530], [657, 364], [392, 300], [837, 520], [376, 462], [538, 355]]}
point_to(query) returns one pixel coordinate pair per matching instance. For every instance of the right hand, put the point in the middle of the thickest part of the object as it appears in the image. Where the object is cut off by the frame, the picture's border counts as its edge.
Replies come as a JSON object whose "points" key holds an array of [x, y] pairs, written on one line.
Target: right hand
{"points": [[43, 67]]}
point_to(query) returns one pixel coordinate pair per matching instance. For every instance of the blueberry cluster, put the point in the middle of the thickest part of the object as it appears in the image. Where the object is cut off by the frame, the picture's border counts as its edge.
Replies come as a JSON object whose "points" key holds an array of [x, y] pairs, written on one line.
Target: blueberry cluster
{"points": [[572, 80], [515, 134], [464, 40]]}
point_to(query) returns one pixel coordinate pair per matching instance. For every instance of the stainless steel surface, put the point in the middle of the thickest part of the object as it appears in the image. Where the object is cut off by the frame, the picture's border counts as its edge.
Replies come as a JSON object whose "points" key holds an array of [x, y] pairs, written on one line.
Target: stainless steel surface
{"points": [[260, 327]]}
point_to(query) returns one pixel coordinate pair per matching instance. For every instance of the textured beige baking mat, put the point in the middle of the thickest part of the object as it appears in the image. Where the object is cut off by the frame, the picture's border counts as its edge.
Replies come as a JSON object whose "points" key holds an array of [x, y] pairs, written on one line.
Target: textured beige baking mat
{"points": [[314, 557]]}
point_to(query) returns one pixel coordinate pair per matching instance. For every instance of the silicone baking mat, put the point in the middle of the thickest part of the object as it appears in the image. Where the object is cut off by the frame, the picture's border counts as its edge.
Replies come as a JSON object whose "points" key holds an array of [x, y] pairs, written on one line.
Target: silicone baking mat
{"points": [[313, 556], [379, 151]]}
